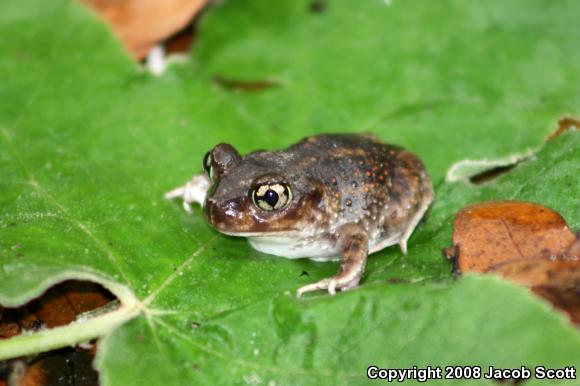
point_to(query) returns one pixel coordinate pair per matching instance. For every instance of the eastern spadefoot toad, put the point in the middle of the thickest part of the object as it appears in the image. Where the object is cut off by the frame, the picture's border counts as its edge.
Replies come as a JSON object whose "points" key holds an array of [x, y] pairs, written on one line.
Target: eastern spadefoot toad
{"points": [[328, 197]]}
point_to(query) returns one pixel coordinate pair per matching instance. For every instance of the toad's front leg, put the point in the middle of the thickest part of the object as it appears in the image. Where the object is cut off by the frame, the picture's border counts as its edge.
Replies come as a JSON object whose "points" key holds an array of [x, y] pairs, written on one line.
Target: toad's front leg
{"points": [[353, 241], [194, 190]]}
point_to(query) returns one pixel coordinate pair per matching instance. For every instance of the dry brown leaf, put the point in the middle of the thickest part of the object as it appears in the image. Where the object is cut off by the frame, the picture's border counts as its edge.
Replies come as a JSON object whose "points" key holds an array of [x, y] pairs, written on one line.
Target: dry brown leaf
{"points": [[523, 242], [497, 232], [140, 24], [563, 273], [557, 281], [59, 306]]}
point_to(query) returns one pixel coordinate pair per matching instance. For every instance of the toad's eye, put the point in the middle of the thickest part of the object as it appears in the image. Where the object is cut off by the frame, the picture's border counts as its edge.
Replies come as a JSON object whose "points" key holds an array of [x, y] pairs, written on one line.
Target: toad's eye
{"points": [[207, 164], [271, 197]]}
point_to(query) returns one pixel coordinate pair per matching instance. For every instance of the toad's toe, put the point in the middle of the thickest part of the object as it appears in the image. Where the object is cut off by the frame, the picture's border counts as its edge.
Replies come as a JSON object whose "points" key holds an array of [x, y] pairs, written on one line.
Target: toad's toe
{"points": [[331, 284]]}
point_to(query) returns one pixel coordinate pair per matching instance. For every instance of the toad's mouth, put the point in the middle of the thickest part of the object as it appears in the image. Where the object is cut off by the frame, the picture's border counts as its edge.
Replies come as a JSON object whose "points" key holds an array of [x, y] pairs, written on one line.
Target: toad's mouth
{"points": [[288, 233]]}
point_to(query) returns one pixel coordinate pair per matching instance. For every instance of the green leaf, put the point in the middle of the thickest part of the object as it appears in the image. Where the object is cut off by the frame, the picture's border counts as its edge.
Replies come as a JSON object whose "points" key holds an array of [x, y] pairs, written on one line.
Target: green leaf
{"points": [[89, 143]]}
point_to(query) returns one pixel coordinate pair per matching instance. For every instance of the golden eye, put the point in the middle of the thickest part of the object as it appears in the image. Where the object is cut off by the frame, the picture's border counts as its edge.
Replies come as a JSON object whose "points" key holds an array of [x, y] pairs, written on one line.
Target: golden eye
{"points": [[271, 197]]}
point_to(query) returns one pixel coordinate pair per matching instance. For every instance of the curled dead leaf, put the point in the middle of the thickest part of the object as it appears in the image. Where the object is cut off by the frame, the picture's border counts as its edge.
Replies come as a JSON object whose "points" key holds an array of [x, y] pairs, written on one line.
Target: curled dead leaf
{"points": [[557, 281], [562, 299], [60, 305], [542, 272], [524, 242], [140, 24], [493, 233]]}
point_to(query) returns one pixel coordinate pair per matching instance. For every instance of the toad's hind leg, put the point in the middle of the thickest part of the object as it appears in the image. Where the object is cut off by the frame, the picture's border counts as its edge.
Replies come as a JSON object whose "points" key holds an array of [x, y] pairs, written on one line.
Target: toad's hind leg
{"points": [[426, 200], [353, 241]]}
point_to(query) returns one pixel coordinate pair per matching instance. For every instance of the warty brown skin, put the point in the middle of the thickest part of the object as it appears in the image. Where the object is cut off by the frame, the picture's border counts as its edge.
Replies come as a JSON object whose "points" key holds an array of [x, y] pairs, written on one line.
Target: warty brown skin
{"points": [[350, 194]]}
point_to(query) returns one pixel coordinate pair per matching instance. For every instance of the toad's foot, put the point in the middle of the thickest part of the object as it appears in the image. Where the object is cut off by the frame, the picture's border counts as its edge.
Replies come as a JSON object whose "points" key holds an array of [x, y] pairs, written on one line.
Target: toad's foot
{"points": [[330, 284], [194, 190], [354, 250]]}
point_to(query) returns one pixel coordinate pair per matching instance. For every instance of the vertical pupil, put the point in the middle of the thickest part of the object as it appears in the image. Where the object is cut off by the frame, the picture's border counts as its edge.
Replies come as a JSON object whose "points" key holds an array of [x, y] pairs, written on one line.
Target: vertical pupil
{"points": [[271, 197]]}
